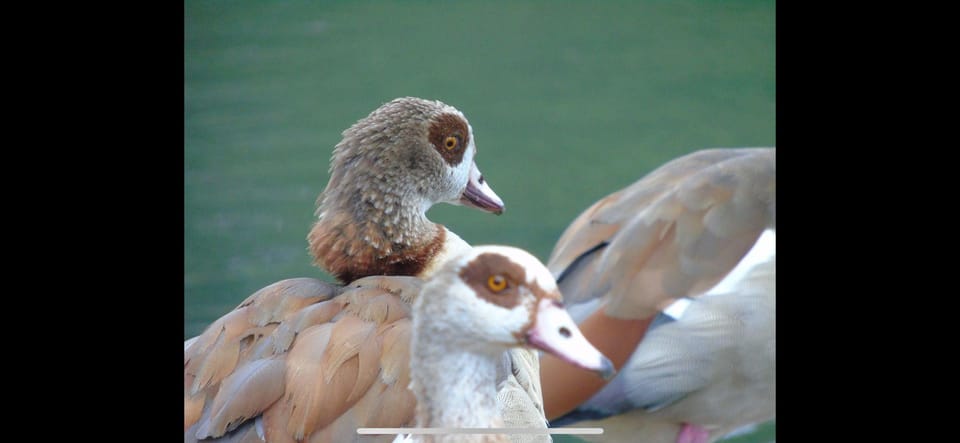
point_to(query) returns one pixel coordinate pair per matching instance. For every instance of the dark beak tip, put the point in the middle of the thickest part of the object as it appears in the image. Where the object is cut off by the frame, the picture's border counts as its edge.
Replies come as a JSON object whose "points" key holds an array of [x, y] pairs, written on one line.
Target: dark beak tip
{"points": [[475, 200], [607, 372], [608, 375]]}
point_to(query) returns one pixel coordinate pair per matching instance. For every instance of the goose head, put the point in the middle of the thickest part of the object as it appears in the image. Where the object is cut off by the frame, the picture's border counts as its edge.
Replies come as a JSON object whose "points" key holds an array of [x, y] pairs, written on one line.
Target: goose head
{"points": [[386, 172], [494, 298], [418, 149]]}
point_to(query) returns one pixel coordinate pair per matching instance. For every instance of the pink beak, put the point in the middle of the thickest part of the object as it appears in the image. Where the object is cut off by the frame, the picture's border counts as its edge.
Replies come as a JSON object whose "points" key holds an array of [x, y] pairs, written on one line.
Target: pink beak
{"points": [[479, 194], [554, 331]]}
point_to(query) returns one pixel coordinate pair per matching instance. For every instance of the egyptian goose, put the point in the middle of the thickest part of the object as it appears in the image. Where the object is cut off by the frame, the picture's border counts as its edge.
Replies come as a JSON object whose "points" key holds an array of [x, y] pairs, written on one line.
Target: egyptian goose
{"points": [[691, 245], [477, 306], [303, 359]]}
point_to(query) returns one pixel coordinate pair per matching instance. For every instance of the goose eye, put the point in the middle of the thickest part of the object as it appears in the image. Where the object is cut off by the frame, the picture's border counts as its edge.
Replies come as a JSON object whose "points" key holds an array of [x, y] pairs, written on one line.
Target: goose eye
{"points": [[451, 142], [496, 283]]}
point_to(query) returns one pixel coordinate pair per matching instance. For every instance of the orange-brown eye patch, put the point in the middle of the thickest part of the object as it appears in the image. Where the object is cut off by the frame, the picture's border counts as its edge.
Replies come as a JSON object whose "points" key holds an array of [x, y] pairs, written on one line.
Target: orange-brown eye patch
{"points": [[449, 134], [487, 272], [497, 283]]}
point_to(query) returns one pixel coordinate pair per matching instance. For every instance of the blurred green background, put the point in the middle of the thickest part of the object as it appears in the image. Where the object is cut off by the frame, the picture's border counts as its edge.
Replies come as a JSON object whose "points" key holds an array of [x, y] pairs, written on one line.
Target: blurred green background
{"points": [[569, 101]]}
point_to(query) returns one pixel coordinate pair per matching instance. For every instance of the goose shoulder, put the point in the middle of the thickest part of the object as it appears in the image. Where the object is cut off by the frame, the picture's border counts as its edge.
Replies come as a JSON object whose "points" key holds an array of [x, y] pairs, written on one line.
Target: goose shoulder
{"points": [[320, 368], [675, 232]]}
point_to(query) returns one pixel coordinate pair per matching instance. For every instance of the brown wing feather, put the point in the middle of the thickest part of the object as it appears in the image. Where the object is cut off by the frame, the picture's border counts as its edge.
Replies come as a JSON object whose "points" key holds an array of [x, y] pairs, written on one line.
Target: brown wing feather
{"points": [[587, 231], [215, 353], [673, 233], [275, 302], [192, 403], [307, 385], [314, 361], [253, 387], [600, 222], [309, 316], [218, 362]]}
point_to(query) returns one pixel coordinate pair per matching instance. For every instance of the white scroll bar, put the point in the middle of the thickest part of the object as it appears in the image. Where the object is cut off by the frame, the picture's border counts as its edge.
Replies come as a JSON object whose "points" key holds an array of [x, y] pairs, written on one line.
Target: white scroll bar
{"points": [[559, 431]]}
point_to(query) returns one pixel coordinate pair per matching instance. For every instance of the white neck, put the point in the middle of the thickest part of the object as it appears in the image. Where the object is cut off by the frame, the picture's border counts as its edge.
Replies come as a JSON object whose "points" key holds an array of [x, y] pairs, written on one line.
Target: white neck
{"points": [[452, 246], [455, 388]]}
